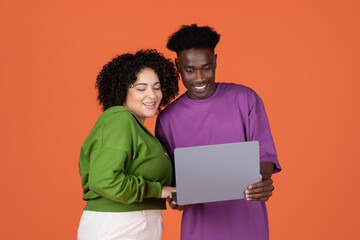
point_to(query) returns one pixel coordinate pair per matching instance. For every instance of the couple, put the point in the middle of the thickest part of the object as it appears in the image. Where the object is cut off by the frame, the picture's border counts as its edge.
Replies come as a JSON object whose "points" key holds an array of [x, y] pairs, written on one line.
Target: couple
{"points": [[126, 173]]}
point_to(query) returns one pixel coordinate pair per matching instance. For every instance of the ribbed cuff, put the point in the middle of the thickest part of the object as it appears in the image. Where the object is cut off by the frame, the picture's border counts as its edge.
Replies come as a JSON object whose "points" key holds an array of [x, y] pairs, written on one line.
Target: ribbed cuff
{"points": [[153, 190]]}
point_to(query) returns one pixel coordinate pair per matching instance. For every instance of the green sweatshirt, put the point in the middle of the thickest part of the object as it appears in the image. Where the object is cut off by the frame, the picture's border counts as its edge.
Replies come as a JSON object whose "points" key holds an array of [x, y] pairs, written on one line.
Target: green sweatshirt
{"points": [[122, 165]]}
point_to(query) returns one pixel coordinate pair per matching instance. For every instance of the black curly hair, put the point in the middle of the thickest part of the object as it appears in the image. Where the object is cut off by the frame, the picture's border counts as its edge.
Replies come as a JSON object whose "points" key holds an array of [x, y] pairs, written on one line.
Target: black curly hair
{"points": [[119, 74], [192, 36]]}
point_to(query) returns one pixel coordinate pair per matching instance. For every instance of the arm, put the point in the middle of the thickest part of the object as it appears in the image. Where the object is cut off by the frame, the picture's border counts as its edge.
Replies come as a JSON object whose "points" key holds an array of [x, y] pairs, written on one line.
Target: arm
{"points": [[109, 162], [259, 130], [108, 178]]}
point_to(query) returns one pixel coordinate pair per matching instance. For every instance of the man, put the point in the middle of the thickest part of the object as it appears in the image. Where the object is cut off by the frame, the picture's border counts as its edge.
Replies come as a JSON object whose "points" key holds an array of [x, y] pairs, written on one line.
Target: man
{"points": [[216, 113]]}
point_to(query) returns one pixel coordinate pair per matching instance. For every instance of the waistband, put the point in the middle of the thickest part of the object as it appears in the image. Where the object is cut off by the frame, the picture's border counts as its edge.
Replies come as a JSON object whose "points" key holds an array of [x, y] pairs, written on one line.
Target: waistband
{"points": [[106, 205]]}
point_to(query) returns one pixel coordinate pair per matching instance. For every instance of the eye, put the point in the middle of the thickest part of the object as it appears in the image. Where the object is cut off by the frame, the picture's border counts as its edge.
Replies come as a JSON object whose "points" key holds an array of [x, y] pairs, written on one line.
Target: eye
{"points": [[206, 69], [140, 89], [189, 70], [157, 86]]}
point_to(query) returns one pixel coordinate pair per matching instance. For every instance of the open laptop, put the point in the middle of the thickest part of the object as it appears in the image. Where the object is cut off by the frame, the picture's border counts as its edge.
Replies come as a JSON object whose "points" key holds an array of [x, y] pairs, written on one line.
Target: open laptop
{"points": [[215, 172]]}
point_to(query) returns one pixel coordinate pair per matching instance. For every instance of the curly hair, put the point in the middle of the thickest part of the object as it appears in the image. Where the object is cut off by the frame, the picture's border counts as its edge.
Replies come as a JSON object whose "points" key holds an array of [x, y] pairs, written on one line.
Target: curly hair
{"points": [[192, 36], [119, 74]]}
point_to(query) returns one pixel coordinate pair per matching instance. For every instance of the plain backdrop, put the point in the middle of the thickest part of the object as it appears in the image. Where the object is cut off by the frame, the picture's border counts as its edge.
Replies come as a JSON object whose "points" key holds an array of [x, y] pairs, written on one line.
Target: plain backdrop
{"points": [[301, 57]]}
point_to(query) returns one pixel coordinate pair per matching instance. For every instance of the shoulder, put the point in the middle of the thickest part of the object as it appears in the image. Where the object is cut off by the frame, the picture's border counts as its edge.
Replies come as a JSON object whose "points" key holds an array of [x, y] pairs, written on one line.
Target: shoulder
{"points": [[238, 91], [117, 116], [237, 88], [120, 128], [245, 96], [118, 122]]}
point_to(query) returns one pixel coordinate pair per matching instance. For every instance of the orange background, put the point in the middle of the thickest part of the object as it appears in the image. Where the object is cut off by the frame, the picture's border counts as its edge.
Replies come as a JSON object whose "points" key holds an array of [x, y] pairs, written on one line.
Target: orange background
{"points": [[302, 57]]}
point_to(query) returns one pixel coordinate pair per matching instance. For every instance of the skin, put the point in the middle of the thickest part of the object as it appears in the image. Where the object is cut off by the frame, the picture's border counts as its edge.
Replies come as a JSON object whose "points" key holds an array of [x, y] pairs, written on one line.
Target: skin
{"points": [[262, 190], [197, 69], [143, 99], [144, 96]]}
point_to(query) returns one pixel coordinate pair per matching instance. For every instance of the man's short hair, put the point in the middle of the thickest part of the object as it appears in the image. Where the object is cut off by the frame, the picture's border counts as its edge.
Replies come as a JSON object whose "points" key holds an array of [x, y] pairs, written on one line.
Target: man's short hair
{"points": [[192, 36]]}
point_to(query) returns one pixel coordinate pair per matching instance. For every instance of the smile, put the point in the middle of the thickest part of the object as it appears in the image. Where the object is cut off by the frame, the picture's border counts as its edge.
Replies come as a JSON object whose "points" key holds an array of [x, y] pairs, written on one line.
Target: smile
{"points": [[149, 104], [201, 87]]}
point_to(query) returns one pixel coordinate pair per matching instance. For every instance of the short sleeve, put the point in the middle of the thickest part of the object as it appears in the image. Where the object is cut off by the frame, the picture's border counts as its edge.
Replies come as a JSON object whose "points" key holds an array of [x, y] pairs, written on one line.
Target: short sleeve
{"points": [[259, 130]]}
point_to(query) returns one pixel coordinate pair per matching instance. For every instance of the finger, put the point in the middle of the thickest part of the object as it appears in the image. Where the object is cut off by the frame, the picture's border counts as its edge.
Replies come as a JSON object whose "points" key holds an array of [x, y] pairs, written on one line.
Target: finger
{"points": [[261, 184], [269, 188], [173, 205], [264, 191], [259, 195], [183, 207], [256, 185]]}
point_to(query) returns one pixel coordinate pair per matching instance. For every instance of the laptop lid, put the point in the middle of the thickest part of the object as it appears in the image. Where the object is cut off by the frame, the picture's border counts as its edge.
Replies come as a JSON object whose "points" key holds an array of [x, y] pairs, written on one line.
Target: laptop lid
{"points": [[215, 172]]}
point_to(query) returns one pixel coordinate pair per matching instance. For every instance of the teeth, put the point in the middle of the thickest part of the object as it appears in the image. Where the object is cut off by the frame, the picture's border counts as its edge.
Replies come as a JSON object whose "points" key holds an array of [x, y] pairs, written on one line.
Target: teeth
{"points": [[149, 104], [202, 87]]}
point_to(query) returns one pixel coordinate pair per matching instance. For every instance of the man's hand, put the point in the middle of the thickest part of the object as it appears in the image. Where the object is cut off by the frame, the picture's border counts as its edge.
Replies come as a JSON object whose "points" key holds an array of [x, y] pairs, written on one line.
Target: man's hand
{"points": [[173, 204], [260, 191]]}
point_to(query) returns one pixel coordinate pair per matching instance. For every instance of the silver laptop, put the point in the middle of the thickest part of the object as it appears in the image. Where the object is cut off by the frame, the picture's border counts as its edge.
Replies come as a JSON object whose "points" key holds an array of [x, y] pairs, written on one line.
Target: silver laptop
{"points": [[215, 172]]}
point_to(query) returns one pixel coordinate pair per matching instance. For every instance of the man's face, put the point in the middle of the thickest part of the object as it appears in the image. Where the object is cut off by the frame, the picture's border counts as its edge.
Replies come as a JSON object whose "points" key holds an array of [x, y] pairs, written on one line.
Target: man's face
{"points": [[197, 69]]}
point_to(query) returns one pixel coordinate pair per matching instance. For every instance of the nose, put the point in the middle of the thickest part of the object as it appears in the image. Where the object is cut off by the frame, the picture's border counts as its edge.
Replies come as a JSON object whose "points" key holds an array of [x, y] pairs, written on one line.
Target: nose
{"points": [[151, 94], [199, 76]]}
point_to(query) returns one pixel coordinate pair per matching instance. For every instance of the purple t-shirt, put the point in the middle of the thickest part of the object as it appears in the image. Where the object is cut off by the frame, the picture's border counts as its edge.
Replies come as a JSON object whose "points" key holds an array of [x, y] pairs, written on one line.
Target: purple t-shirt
{"points": [[234, 113]]}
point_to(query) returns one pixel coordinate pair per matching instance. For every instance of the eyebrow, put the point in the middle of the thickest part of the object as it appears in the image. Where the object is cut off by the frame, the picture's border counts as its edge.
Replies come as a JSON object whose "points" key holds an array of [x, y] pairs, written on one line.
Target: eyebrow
{"points": [[144, 84], [204, 65]]}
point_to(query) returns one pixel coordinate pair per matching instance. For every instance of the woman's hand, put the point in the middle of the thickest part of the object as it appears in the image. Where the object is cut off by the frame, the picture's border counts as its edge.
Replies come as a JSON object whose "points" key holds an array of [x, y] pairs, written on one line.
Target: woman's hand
{"points": [[166, 191], [173, 205]]}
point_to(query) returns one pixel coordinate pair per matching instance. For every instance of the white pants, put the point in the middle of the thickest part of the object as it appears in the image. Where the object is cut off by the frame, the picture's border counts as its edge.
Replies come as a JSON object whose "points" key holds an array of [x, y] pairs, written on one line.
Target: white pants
{"points": [[138, 225]]}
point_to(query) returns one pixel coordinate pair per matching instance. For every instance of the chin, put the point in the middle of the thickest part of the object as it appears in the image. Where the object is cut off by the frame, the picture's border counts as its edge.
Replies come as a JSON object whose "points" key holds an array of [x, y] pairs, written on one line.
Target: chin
{"points": [[150, 114]]}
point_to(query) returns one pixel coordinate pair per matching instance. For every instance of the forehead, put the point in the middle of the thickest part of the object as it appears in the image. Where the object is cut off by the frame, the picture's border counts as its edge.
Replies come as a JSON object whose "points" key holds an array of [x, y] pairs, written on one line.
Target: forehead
{"points": [[147, 75], [195, 57]]}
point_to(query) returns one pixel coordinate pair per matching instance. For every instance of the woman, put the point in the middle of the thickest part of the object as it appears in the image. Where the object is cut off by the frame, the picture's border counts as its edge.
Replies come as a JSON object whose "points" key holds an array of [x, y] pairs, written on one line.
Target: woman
{"points": [[126, 173]]}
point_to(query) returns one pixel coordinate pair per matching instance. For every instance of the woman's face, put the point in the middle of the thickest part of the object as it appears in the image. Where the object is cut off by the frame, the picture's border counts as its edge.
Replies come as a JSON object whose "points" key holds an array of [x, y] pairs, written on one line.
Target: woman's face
{"points": [[144, 96]]}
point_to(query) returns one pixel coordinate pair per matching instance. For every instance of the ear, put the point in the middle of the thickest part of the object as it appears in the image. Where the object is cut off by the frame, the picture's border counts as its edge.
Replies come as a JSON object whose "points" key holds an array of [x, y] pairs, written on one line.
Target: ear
{"points": [[215, 57]]}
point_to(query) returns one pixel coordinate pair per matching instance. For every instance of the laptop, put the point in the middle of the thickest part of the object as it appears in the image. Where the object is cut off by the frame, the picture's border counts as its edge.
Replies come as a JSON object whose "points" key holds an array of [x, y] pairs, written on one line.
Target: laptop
{"points": [[214, 173]]}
